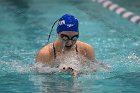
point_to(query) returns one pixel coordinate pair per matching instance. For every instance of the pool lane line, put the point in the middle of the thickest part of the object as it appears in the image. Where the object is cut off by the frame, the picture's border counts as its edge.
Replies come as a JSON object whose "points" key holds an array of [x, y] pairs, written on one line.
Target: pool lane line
{"points": [[120, 11]]}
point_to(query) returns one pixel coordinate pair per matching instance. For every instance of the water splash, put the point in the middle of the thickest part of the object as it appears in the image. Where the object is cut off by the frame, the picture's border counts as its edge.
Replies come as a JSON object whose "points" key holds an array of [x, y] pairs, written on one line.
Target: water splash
{"points": [[120, 65], [83, 66], [98, 70], [44, 68], [14, 67]]}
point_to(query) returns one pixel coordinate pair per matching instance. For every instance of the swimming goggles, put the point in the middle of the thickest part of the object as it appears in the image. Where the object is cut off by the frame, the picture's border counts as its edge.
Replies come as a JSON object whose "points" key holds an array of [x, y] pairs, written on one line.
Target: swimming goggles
{"points": [[65, 37]]}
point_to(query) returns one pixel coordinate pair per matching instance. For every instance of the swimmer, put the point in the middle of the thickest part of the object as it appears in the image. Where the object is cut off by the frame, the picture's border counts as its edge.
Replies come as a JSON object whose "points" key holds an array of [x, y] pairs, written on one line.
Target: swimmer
{"points": [[67, 42]]}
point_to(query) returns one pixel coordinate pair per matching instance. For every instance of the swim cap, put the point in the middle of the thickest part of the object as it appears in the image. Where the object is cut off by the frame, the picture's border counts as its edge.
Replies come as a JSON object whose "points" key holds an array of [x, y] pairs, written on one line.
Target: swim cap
{"points": [[67, 23]]}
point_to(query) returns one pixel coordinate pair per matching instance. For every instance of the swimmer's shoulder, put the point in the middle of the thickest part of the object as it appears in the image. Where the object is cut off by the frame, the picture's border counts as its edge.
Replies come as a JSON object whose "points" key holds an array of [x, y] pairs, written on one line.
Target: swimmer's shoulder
{"points": [[46, 48], [83, 45], [44, 53], [86, 49]]}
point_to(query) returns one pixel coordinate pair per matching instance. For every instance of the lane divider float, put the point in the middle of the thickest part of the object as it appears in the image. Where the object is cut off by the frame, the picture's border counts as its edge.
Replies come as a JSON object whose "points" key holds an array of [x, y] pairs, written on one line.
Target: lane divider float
{"points": [[120, 11]]}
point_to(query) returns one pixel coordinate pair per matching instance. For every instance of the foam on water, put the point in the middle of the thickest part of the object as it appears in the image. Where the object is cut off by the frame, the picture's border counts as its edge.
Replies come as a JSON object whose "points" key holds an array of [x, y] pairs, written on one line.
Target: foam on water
{"points": [[99, 70], [14, 66], [83, 66]]}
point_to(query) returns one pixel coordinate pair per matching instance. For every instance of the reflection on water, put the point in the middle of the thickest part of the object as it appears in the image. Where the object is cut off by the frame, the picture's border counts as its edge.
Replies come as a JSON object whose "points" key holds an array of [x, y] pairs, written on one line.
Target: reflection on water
{"points": [[56, 83], [129, 78], [19, 3]]}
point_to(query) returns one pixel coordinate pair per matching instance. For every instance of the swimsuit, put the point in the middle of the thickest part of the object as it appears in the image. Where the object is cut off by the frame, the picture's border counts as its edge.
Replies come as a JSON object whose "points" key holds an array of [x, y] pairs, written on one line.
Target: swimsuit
{"points": [[54, 50]]}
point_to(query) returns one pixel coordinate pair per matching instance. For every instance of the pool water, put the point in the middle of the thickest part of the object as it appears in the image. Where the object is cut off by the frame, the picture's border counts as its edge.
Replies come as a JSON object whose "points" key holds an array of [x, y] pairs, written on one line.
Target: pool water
{"points": [[24, 28]]}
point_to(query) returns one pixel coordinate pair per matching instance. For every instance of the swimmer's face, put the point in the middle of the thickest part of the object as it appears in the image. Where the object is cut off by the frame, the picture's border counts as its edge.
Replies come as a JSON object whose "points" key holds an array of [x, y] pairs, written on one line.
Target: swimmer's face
{"points": [[69, 37]]}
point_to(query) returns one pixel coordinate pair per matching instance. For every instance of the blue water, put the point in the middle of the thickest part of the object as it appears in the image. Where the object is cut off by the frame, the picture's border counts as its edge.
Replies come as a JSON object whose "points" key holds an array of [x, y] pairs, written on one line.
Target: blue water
{"points": [[24, 27]]}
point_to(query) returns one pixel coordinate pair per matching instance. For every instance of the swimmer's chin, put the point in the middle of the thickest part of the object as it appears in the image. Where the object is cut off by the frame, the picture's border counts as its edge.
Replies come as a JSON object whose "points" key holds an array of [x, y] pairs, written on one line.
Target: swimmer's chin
{"points": [[68, 46]]}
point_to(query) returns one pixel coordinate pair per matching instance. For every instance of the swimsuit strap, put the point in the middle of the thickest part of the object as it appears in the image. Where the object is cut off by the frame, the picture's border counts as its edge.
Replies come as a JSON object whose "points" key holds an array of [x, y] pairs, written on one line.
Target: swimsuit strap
{"points": [[76, 49], [54, 51]]}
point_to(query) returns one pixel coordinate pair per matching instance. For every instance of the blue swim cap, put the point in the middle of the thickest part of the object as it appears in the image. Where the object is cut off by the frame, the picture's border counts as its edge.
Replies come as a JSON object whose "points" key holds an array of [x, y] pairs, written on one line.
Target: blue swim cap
{"points": [[67, 23]]}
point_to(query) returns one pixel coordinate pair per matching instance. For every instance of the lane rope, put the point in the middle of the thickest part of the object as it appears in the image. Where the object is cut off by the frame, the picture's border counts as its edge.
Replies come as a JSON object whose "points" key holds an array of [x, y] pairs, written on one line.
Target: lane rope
{"points": [[120, 11]]}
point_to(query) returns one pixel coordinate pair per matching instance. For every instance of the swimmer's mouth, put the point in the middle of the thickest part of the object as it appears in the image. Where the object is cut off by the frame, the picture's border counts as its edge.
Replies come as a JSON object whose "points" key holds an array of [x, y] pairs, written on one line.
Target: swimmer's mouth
{"points": [[69, 46]]}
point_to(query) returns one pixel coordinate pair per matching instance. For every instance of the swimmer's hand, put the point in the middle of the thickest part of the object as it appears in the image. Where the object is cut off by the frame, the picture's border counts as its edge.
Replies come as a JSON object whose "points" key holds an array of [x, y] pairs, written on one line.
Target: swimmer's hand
{"points": [[70, 70], [101, 65]]}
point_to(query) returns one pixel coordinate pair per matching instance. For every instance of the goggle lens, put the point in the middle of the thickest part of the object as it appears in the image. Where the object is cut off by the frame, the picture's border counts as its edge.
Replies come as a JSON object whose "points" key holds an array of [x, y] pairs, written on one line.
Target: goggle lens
{"points": [[65, 37]]}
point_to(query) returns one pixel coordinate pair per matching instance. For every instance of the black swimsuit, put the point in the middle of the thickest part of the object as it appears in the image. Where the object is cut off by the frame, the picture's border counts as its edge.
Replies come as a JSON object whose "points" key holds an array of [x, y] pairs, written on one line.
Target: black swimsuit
{"points": [[54, 50]]}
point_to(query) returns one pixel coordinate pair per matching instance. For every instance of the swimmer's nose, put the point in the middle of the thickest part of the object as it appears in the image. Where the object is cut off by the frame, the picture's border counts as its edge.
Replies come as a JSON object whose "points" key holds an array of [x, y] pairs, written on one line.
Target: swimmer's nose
{"points": [[70, 41]]}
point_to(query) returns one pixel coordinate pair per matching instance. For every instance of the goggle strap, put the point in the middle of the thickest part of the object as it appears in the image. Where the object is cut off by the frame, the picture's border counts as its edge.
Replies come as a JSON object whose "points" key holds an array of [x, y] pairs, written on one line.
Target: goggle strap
{"points": [[51, 31]]}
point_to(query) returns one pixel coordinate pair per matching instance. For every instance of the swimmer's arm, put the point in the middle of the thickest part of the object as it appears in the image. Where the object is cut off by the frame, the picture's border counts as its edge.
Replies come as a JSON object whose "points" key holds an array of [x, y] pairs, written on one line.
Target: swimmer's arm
{"points": [[43, 55], [90, 53], [101, 65]]}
